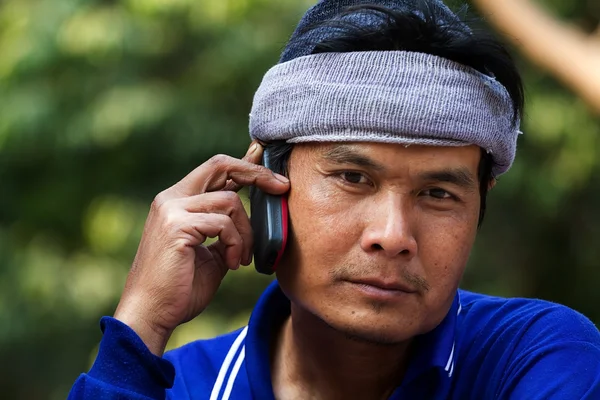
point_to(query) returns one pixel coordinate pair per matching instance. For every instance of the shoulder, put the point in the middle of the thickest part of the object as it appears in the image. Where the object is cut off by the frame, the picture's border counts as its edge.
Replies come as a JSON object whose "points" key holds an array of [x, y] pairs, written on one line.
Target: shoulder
{"points": [[526, 348], [531, 317]]}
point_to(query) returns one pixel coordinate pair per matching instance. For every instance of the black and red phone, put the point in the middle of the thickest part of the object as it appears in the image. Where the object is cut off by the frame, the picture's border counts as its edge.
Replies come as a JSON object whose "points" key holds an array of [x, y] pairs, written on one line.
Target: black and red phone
{"points": [[269, 221]]}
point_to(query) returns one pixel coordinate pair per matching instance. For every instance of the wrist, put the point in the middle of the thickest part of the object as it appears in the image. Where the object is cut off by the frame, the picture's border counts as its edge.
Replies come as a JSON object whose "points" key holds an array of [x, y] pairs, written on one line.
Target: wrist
{"points": [[154, 336]]}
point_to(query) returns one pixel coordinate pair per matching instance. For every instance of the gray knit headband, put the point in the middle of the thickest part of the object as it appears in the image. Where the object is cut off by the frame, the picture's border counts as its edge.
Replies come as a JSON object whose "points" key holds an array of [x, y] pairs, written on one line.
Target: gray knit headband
{"points": [[385, 96]]}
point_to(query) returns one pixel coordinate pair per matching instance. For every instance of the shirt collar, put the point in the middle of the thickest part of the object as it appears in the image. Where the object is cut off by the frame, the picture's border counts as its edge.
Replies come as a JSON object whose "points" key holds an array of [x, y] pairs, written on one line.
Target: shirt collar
{"points": [[436, 349], [268, 315]]}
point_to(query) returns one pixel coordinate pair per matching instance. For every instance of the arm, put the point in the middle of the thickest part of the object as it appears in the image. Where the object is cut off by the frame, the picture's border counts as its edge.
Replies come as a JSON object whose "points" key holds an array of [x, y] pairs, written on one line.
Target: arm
{"points": [[174, 275], [558, 358], [124, 368]]}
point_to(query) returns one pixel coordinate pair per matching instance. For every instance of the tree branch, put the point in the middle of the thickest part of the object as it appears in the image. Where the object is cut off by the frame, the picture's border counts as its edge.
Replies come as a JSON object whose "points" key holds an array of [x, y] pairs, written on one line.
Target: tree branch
{"points": [[566, 52]]}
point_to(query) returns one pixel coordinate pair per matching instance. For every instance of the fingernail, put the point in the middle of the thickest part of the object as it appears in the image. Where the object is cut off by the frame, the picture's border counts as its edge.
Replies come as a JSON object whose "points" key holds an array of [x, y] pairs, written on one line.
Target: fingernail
{"points": [[253, 149], [281, 178]]}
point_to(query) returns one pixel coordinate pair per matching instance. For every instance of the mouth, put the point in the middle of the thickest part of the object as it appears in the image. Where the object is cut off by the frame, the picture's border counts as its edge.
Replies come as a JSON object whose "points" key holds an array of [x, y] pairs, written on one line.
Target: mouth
{"points": [[380, 288]]}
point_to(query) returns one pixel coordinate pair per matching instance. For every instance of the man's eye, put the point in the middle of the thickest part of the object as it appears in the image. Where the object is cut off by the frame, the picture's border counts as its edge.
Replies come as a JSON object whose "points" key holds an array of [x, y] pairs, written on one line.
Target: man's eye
{"points": [[439, 194], [354, 178]]}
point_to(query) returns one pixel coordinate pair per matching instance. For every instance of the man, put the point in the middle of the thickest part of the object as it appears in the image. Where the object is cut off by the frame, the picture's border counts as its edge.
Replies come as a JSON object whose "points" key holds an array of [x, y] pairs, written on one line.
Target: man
{"points": [[391, 122]]}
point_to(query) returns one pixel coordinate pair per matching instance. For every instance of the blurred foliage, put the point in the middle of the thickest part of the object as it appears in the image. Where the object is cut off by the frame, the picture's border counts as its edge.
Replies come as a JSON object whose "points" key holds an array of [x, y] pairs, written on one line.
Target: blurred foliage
{"points": [[103, 104]]}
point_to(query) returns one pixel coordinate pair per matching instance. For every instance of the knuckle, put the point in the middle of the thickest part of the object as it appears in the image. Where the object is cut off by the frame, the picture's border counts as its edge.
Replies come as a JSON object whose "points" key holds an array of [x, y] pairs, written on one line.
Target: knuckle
{"points": [[223, 221], [171, 219], [170, 214], [229, 196], [231, 200], [159, 200], [235, 240], [258, 169], [220, 160], [225, 224]]}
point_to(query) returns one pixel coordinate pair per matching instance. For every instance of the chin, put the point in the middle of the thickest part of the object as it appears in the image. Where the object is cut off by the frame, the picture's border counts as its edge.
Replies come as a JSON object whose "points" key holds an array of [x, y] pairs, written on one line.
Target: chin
{"points": [[379, 326], [373, 337]]}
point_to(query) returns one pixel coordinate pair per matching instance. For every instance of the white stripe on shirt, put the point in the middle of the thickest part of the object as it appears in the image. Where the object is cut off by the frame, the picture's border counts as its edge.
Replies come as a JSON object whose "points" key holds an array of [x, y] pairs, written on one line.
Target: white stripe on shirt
{"points": [[226, 363], [450, 359], [234, 373]]}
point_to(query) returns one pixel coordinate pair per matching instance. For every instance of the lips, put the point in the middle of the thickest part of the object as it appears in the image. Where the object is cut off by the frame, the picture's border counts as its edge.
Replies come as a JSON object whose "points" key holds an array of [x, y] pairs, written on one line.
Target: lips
{"points": [[384, 284]]}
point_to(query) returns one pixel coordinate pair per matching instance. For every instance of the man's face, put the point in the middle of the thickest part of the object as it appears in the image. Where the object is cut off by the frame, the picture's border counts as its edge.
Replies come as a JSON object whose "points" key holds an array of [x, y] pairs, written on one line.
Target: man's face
{"points": [[381, 234]]}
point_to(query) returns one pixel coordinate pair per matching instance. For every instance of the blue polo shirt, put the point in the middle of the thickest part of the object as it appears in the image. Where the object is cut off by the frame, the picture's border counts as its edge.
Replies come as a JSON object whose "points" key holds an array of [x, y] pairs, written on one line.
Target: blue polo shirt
{"points": [[485, 348]]}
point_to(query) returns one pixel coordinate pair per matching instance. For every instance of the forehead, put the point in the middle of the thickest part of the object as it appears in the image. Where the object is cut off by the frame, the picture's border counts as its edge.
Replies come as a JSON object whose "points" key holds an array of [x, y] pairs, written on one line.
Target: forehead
{"points": [[392, 156]]}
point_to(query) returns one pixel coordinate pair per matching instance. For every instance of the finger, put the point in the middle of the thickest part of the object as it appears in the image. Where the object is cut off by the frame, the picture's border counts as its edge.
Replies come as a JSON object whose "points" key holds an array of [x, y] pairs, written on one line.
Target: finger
{"points": [[254, 153], [254, 156], [213, 175], [226, 203], [218, 250], [221, 226]]}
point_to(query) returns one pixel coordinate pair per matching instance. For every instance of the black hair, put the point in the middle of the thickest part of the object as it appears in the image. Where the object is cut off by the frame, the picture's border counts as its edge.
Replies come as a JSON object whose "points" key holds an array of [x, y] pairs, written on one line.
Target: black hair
{"points": [[424, 30]]}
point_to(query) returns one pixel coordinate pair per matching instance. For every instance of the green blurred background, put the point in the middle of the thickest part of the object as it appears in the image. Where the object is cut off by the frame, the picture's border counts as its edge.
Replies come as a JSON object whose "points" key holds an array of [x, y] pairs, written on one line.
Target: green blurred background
{"points": [[103, 104]]}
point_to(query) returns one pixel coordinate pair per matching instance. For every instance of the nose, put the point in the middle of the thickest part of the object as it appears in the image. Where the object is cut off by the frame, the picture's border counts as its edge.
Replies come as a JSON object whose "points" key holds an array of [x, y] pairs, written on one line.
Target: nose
{"points": [[389, 229]]}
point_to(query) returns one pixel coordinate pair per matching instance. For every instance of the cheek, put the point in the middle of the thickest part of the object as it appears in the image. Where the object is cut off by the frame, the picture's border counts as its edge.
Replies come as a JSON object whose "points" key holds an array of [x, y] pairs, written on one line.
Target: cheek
{"points": [[323, 229], [444, 249], [320, 220]]}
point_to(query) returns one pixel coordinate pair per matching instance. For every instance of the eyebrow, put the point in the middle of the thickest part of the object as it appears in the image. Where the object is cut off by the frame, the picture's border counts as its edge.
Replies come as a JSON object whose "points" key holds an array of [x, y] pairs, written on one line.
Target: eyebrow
{"points": [[457, 176], [344, 154]]}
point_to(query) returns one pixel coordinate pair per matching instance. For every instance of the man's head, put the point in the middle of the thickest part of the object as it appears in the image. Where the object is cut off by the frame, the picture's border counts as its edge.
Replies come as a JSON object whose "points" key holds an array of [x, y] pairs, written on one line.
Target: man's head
{"points": [[394, 211]]}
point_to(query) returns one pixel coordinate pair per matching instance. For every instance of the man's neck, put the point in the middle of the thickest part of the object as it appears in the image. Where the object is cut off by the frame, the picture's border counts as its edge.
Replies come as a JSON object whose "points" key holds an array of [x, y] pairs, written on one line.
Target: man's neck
{"points": [[312, 360]]}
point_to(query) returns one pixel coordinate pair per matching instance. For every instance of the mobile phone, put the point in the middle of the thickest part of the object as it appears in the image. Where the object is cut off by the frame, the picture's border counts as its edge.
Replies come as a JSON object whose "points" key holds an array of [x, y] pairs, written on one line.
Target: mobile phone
{"points": [[269, 221]]}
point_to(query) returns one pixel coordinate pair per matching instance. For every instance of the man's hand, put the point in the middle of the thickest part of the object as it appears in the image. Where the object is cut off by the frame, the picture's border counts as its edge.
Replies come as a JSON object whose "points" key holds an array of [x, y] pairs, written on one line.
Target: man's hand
{"points": [[174, 276]]}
